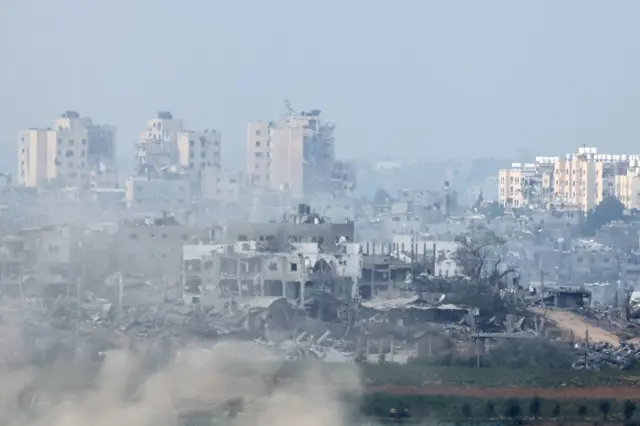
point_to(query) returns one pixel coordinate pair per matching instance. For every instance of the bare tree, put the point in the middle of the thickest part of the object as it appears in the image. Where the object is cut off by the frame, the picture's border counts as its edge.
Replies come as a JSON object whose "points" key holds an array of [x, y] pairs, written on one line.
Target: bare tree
{"points": [[473, 255]]}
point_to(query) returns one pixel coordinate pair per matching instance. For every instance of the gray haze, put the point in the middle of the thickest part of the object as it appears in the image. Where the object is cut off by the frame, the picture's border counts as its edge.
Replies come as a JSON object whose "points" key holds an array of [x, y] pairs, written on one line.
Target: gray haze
{"points": [[442, 77]]}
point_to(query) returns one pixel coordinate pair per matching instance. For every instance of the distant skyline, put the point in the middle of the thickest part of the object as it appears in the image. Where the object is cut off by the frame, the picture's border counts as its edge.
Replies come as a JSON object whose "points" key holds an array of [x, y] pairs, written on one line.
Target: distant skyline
{"points": [[408, 79]]}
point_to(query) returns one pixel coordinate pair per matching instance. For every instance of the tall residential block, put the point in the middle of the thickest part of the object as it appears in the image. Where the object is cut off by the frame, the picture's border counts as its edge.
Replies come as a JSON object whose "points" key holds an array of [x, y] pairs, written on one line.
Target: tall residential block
{"points": [[627, 185], [294, 154], [259, 153], [585, 177], [69, 153], [580, 180], [200, 153], [33, 156], [526, 184], [158, 145]]}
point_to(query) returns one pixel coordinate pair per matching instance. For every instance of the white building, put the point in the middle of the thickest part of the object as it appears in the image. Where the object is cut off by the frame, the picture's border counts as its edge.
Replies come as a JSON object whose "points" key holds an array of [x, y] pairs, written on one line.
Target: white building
{"points": [[200, 154], [169, 192]]}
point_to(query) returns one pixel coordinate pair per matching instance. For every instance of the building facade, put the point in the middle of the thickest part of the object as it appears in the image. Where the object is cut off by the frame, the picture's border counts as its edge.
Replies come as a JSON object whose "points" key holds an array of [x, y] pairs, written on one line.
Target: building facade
{"points": [[581, 180], [69, 154], [295, 154]]}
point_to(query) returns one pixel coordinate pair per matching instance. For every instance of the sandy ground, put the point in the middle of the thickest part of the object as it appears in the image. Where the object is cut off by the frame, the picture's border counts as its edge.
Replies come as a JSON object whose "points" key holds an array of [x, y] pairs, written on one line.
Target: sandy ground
{"points": [[569, 321]]}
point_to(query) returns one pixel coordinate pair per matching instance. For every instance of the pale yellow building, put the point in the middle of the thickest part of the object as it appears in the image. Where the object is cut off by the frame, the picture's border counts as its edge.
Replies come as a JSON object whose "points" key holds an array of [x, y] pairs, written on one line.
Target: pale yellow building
{"points": [[259, 153], [33, 156], [57, 154], [511, 183], [293, 155], [627, 186], [586, 177], [287, 161]]}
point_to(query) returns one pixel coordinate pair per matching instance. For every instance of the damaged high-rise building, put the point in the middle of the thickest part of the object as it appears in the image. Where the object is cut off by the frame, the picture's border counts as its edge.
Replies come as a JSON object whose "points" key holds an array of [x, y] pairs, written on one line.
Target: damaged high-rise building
{"points": [[296, 154], [74, 152]]}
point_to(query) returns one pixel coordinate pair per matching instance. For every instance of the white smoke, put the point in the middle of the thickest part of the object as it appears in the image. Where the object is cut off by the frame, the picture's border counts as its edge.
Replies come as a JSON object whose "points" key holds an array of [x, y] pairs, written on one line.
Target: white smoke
{"points": [[195, 379]]}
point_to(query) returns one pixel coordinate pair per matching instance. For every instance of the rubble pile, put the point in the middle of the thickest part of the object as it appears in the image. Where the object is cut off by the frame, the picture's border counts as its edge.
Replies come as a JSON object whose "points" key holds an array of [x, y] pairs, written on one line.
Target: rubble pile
{"points": [[601, 355], [307, 347], [64, 320]]}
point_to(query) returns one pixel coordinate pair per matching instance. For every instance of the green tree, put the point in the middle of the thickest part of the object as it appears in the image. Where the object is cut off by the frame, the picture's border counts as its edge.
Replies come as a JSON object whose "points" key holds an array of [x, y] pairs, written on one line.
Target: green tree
{"points": [[556, 411], [466, 410], [512, 408], [605, 407], [582, 411], [610, 209], [493, 210], [534, 407], [490, 410], [628, 410], [381, 197]]}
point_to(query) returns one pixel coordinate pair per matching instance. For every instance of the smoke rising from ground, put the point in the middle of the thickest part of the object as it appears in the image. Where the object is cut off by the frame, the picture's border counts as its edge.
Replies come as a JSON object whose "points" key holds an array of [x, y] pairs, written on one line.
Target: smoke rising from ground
{"points": [[128, 389]]}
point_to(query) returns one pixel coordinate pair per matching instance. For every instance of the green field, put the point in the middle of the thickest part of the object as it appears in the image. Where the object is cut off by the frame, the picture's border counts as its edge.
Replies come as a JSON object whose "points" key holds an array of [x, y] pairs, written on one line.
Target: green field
{"points": [[420, 375]]}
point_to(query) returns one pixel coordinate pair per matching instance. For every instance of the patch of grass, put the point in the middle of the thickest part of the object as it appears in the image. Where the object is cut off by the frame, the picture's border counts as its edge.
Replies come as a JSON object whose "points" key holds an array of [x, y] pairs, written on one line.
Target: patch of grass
{"points": [[420, 375]]}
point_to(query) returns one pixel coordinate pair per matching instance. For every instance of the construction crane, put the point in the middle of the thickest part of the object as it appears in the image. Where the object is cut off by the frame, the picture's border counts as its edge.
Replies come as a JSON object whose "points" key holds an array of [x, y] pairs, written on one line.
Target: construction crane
{"points": [[287, 105]]}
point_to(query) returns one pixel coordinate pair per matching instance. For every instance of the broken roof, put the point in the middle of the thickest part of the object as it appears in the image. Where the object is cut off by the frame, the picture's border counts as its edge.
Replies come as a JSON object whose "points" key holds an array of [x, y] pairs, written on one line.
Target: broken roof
{"points": [[396, 303]]}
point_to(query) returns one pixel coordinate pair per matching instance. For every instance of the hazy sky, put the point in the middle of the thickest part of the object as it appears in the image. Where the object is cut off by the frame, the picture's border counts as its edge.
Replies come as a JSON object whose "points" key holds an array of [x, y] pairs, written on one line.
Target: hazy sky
{"points": [[405, 78]]}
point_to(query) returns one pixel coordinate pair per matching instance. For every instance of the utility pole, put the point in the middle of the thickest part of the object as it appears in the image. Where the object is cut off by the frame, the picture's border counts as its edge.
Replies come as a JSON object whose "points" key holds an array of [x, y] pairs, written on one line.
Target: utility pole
{"points": [[373, 268], [390, 260], [120, 292]]}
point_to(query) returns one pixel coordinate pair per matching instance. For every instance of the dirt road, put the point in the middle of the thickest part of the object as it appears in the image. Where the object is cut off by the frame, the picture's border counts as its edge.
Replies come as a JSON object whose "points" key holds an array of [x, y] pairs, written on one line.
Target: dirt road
{"points": [[621, 393], [569, 321]]}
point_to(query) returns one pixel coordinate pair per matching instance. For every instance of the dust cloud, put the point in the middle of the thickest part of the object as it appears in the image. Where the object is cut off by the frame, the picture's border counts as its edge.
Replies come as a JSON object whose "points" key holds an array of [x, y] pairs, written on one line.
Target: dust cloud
{"points": [[148, 387]]}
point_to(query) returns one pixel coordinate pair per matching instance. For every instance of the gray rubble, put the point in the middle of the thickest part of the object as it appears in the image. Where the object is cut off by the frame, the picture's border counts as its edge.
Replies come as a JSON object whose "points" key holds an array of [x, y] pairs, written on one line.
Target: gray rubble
{"points": [[602, 355]]}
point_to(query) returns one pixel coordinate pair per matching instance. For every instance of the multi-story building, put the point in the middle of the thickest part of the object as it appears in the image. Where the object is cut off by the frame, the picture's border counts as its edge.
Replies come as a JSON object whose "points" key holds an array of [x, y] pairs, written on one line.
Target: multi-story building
{"points": [[526, 183], [200, 153], [627, 186], [159, 142], [169, 191], [34, 164], [259, 153], [586, 177], [582, 180], [287, 157], [294, 154], [69, 153]]}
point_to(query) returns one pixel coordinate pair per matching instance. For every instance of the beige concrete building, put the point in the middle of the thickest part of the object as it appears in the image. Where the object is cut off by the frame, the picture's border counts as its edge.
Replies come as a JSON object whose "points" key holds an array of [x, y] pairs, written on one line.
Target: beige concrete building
{"points": [[200, 153], [512, 181], [584, 178], [259, 153], [581, 180], [164, 126], [627, 186], [59, 154], [170, 192], [229, 186], [293, 155], [33, 156], [287, 161], [158, 145]]}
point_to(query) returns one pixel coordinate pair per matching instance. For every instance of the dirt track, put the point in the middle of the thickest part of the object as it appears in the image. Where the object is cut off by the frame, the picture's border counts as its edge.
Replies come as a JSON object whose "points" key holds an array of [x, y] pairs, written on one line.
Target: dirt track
{"points": [[621, 393], [569, 321]]}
